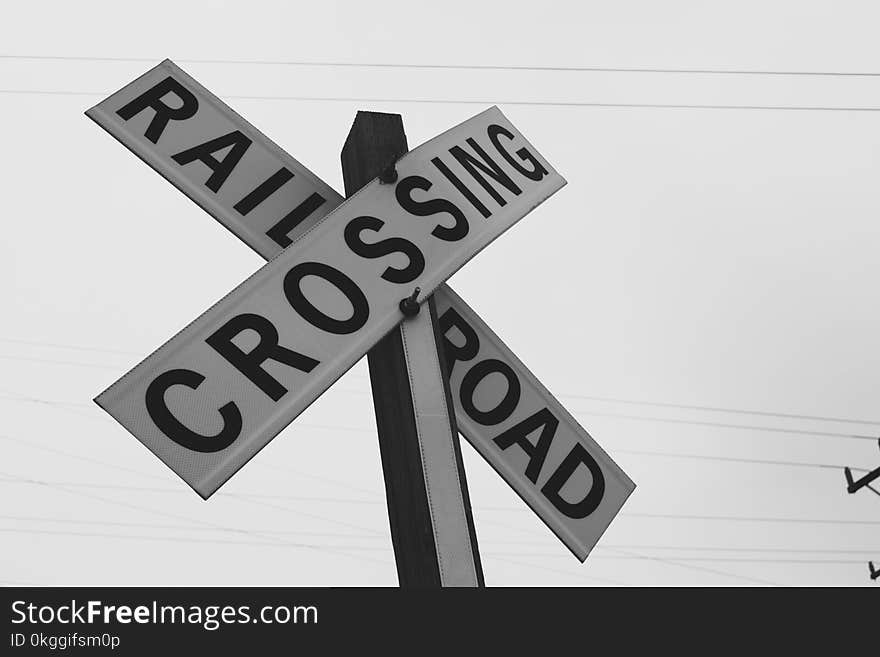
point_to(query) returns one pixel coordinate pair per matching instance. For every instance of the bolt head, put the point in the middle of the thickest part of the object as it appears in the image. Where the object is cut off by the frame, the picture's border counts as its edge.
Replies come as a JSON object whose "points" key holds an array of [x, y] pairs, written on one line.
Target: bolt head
{"points": [[388, 175], [409, 307]]}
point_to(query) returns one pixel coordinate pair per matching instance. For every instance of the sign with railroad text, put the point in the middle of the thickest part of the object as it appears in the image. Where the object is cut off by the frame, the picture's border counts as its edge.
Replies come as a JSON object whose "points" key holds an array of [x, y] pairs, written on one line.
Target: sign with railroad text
{"points": [[526, 434], [215, 157]]}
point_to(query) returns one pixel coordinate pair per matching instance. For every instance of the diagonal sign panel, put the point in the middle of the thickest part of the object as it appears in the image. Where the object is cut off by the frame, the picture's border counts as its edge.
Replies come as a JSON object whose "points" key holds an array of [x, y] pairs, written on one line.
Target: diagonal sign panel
{"points": [[215, 157], [525, 433], [217, 392], [470, 343]]}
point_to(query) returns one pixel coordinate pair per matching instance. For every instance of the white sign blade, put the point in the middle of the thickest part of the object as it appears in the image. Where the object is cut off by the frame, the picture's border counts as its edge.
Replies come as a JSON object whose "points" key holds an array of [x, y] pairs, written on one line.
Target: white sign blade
{"points": [[217, 392], [215, 157], [526, 434]]}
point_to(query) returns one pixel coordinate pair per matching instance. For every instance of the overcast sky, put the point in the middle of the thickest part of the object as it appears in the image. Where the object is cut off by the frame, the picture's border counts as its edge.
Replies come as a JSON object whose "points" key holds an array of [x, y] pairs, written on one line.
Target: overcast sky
{"points": [[721, 258]]}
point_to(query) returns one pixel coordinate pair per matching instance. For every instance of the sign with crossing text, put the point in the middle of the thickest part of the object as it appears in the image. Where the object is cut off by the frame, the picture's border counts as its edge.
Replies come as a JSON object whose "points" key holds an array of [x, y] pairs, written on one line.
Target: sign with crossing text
{"points": [[217, 392]]}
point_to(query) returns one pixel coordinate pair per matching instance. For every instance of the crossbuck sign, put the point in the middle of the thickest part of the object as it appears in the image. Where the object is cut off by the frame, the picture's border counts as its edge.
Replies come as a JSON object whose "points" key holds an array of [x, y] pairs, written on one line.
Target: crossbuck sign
{"points": [[216, 393]]}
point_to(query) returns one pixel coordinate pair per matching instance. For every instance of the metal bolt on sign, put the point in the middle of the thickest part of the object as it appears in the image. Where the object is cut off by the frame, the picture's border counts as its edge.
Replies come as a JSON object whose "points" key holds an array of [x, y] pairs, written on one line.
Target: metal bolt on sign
{"points": [[205, 406]]}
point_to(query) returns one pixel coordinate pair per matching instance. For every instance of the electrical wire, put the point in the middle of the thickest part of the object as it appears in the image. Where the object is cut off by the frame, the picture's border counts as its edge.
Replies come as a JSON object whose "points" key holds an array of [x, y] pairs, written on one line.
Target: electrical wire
{"points": [[59, 362], [719, 409], [723, 425], [677, 562], [567, 573], [811, 521], [841, 562], [623, 513], [567, 395], [641, 418], [453, 67], [190, 539], [276, 532], [56, 345], [129, 505], [527, 103], [189, 527], [733, 459], [707, 457], [701, 548]]}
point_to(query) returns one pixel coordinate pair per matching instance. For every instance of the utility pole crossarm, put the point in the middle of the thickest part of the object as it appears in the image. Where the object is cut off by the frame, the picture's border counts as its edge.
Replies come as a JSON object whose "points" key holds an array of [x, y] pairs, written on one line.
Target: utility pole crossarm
{"points": [[853, 485]]}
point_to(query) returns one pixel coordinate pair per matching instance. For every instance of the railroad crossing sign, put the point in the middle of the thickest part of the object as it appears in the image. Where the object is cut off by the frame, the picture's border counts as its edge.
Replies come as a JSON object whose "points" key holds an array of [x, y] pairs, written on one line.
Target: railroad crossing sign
{"points": [[341, 275]]}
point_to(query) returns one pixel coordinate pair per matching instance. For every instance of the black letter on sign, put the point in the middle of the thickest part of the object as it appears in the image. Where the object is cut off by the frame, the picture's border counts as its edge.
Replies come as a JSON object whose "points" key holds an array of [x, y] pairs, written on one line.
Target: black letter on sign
{"points": [[505, 407], [250, 363], [557, 480], [174, 429], [153, 98], [433, 206], [537, 453], [535, 174], [489, 167], [264, 190], [385, 247], [293, 292], [280, 232], [460, 186], [221, 168], [452, 351]]}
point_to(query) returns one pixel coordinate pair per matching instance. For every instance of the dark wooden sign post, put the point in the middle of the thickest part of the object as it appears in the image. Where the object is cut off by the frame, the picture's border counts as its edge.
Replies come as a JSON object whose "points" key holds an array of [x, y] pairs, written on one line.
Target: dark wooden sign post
{"points": [[374, 143]]}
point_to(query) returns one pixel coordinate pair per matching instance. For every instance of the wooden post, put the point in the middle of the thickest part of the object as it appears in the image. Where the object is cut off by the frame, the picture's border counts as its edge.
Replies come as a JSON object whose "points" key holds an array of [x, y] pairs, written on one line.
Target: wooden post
{"points": [[432, 527]]}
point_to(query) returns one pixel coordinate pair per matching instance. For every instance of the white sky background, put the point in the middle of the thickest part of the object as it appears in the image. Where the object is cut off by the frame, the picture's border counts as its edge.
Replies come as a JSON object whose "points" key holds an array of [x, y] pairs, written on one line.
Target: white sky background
{"points": [[723, 258]]}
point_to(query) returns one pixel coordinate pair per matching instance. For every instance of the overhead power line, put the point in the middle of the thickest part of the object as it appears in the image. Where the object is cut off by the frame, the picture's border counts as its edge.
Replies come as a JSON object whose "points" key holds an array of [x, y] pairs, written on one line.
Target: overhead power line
{"points": [[614, 400], [188, 539], [180, 527], [702, 548], [811, 521], [567, 573], [59, 362], [723, 425], [450, 67], [276, 532], [679, 564], [335, 548], [707, 457], [75, 347], [448, 101], [640, 418], [711, 457], [80, 457], [204, 523], [720, 409], [695, 559], [704, 457], [245, 497], [374, 499]]}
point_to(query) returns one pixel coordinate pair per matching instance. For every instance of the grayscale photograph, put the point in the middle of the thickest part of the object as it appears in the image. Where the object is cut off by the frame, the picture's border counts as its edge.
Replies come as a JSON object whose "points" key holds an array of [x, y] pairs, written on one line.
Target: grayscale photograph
{"points": [[305, 302]]}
